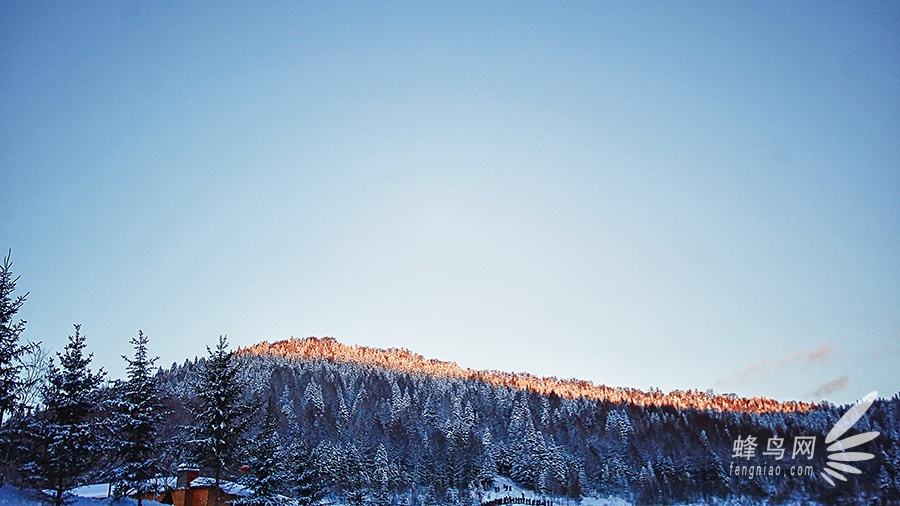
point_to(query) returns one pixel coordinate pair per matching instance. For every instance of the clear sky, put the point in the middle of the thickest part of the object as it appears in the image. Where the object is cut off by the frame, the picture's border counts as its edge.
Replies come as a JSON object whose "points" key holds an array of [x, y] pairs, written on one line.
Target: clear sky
{"points": [[669, 194]]}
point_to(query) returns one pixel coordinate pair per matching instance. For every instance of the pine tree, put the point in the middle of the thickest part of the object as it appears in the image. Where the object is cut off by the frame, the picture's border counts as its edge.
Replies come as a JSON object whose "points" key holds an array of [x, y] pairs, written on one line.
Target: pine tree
{"points": [[381, 477], [65, 440], [304, 473], [713, 478], [266, 462], [10, 350], [11, 353], [555, 464], [309, 483], [136, 421], [354, 475], [222, 418], [487, 465], [618, 425], [461, 454]]}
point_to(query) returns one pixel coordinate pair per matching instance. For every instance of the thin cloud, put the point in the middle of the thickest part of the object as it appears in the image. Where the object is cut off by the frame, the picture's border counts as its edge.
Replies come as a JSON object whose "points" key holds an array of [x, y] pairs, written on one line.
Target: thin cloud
{"points": [[820, 355], [833, 386], [823, 354], [752, 370], [884, 353]]}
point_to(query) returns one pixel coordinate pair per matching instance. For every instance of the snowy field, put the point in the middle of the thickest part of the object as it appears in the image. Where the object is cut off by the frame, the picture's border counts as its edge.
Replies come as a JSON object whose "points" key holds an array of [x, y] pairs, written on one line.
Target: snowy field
{"points": [[95, 495], [510, 488]]}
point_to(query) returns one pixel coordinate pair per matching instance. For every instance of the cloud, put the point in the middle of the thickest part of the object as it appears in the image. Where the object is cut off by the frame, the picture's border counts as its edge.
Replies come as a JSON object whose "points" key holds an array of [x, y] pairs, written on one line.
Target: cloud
{"points": [[884, 353], [833, 386], [752, 369], [820, 355]]}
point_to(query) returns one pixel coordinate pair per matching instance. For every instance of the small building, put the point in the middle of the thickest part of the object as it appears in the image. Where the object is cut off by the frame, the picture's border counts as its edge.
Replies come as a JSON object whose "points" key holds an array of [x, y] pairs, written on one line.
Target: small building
{"points": [[191, 489]]}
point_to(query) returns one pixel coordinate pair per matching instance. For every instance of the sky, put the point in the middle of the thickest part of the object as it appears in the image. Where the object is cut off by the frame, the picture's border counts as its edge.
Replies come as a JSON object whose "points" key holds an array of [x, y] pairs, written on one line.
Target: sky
{"points": [[682, 195]]}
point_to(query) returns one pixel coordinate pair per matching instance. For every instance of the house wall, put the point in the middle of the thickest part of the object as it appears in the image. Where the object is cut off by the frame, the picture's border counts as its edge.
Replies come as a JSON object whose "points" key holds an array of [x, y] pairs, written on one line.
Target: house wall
{"points": [[200, 496]]}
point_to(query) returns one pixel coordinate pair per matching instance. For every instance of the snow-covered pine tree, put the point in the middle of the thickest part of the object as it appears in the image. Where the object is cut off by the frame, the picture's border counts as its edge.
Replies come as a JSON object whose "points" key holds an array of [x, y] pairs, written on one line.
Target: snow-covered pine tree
{"points": [[487, 466], [459, 454], [555, 464], [308, 486], [355, 475], [65, 441], [222, 418], [619, 426], [546, 413], [306, 470], [530, 451], [712, 476], [266, 462], [136, 420], [10, 360], [381, 478], [10, 350], [314, 405]]}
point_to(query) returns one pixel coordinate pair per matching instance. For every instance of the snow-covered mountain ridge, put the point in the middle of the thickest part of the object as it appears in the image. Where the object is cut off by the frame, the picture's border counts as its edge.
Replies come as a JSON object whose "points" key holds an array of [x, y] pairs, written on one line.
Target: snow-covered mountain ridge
{"points": [[414, 431], [405, 361]]}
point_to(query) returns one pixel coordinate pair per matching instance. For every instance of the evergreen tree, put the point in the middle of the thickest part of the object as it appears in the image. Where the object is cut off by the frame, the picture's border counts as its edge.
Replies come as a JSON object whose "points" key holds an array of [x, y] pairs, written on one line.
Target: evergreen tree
{"points": [[309, 483], [222, 418], [354, 476], [137, 417], [266, 462], [713, 478], [381, 481], [529, 459], [10, 360], [10, 350], [307, 471], [460, 439], [487, 466], [555, 465], [64, 437]]}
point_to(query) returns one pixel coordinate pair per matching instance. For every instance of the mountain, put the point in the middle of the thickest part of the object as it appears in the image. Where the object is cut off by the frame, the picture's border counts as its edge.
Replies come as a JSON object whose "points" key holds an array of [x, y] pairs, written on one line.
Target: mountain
{"points": [[404, 361], [391, 427]]}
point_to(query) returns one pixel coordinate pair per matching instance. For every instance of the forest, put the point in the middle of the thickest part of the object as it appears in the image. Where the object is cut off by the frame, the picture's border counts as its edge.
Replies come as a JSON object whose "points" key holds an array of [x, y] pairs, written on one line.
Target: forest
{"points": [[313, 421]]}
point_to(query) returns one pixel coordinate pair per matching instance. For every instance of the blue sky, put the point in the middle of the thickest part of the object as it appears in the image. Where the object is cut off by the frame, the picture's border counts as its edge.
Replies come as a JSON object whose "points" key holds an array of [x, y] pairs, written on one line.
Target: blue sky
{"points": [[679, 195]]}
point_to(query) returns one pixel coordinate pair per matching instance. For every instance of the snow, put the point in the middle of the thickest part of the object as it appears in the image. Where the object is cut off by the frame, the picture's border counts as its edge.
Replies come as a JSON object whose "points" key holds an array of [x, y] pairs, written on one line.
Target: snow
{"points": [[607, 501], [11, 496], [228, 487], [514, 490], [98, 491], [102, 490]]}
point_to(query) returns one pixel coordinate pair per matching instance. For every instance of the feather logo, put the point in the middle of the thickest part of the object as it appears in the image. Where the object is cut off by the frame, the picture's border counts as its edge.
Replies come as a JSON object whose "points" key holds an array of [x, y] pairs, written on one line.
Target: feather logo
{"points": [[837, 457]]}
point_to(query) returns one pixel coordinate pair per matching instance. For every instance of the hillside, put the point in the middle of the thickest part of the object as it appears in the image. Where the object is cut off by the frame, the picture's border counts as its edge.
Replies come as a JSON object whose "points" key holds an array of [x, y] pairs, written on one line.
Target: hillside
{"points": [[390, 423], [402, 360]]}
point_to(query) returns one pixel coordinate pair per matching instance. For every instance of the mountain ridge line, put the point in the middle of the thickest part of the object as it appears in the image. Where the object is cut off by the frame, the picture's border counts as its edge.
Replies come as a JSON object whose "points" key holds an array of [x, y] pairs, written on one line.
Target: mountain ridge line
{"points": [[405, 361]]}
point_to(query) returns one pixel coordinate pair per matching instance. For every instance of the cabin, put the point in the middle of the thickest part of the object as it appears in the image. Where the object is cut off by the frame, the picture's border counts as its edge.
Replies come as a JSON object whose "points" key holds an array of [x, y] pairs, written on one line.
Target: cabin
{"points": [[191, 489]]}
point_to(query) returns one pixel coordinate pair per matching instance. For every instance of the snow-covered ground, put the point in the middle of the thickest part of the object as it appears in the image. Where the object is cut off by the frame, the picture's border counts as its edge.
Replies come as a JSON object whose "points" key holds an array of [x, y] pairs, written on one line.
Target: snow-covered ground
{"points": [[509, 488], [514, 490], [95, 495], [98, 491], [91, 495]]}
